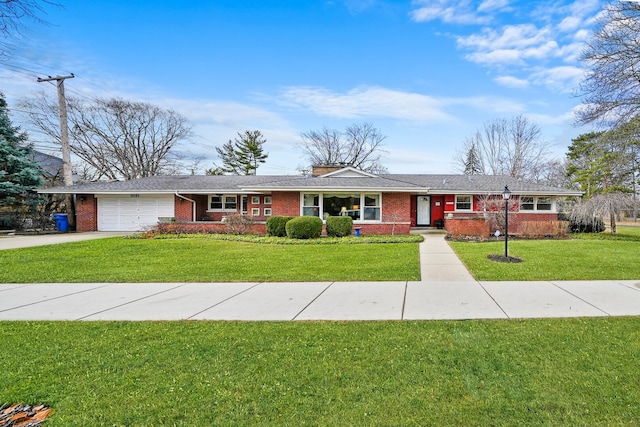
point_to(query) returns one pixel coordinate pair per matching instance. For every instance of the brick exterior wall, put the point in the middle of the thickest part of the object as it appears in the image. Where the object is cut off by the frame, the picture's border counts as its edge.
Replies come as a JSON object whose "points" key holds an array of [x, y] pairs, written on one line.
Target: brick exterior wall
{"points": [[86, 213], [398, 214], [317, 170], [474, 224], [286, 203], [182, 209]]}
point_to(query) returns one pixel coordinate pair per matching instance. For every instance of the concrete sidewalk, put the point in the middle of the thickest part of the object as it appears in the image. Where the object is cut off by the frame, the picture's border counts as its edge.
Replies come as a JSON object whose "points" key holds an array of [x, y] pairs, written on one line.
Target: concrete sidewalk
{"points": [[318, 300], [446, 291]]}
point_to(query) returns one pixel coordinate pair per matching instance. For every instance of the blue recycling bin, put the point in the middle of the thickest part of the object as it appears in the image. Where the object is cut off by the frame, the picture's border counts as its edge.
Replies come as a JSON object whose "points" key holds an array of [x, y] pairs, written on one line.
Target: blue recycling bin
{"points": [[62, 222], [357, 230]]}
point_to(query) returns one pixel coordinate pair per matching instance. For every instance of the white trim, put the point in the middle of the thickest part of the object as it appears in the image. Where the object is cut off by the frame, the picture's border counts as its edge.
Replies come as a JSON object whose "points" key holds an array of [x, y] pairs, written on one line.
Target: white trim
{"points": [[255, 211], [348, 172], [455, 202], [361, 205], [535, 205], [224, 202]]}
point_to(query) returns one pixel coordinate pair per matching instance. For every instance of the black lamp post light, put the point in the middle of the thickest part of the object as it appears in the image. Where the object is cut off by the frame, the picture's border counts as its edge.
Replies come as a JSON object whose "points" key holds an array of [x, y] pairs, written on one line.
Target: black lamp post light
{"points": [[506, 195]]}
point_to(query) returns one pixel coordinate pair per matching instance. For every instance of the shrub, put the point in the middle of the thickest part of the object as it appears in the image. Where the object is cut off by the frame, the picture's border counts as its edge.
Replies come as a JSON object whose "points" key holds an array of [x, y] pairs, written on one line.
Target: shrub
{"points": [[304, 227], [276, 225], [541, 229], [339, 226], [238, 224], [586, 225]]}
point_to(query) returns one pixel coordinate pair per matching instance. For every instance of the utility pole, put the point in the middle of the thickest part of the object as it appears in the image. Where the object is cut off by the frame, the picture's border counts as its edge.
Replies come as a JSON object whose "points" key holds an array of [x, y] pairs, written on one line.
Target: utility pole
{"points": [[64, 142]]}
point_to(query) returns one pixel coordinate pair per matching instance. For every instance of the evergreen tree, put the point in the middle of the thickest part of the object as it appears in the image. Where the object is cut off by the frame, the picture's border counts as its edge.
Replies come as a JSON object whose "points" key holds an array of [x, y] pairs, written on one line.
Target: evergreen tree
{"points": [[473, 164], [243, 155], [19, 176]]}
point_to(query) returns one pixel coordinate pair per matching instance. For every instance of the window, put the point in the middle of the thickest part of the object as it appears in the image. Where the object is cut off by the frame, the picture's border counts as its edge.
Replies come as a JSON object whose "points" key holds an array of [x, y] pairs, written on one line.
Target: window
{"points": [[341, 205], [360, 207], [544, 204], [230, 203], [311, 205], [223, 202], [255, 211], [463, 203], [372, 207], [267, 211], [255, 200], [526, 203], [535, 203], [216, 202], [267, 200]]}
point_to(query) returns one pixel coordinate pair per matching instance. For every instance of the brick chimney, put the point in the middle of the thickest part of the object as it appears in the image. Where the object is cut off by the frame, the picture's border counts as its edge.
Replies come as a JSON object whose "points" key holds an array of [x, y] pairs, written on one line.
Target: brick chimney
{"points": [[317, 170]]}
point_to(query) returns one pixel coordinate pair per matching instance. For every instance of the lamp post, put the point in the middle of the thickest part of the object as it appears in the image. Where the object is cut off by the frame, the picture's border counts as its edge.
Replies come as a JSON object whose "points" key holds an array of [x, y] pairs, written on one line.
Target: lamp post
{"points": [[506, 194]]}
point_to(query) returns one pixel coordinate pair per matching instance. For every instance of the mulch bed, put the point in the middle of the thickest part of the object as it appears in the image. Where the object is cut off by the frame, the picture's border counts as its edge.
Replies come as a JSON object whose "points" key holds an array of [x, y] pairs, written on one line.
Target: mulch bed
{"points": [[23, 415], [502, 258]]}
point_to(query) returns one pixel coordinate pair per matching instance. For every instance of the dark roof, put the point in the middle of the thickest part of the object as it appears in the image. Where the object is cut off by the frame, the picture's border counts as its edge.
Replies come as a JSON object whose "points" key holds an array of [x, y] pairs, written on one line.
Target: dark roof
{"points": [[50, 165], [427, 184]]}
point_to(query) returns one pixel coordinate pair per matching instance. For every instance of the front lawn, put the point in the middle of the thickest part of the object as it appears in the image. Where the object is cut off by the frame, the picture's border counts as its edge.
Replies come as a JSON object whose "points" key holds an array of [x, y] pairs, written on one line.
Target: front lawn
{"points": [[206, 259], [499, 373], [583, 257]]}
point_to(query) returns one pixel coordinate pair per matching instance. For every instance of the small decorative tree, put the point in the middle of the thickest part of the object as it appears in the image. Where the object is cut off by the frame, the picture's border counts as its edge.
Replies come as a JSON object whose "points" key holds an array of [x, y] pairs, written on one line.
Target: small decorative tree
{"points": [[494, 214]]}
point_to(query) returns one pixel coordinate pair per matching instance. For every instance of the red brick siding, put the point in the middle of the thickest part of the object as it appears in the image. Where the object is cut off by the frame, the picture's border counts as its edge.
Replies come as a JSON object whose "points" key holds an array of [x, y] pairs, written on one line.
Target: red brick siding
{"points": [[86, 212], [183, 209], [261, 205], [285, 203], [396, 207], [457, 227], [475, 224]]}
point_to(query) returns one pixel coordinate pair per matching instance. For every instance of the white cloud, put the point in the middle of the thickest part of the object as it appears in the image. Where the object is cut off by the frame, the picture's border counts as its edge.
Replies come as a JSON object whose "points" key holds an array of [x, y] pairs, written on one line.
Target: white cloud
{"points": [[550, 35], [489, 5], [511, 82], [461, 12], [366, 102], [563, 78]]}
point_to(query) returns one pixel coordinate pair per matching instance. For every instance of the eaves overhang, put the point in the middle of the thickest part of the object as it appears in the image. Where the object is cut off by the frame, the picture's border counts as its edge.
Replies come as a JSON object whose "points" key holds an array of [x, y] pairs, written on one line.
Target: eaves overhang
{"points": [[325, 189]]}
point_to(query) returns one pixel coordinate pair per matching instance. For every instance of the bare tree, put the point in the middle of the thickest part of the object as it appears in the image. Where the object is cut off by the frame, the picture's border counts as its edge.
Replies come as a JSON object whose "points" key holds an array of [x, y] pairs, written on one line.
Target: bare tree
{"points": [[360, 146], [14, 12], [611, 87], [512, 147], [601, 206], [117, 139]]}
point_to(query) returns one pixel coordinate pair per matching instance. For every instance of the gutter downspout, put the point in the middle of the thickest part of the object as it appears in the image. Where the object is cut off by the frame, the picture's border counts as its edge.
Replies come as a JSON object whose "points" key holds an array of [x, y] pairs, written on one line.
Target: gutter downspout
{"points": [[193, 218]]}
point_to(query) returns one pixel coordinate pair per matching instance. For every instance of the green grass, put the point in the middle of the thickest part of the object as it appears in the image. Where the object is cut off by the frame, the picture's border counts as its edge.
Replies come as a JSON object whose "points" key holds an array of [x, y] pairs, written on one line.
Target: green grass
{"points": [[207, 260], [584, 257], [502, 373]]}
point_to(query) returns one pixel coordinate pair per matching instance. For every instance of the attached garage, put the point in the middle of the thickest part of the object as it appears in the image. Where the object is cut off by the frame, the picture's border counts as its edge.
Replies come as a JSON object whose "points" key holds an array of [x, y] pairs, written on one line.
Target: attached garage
{"points": [[132, 212]]}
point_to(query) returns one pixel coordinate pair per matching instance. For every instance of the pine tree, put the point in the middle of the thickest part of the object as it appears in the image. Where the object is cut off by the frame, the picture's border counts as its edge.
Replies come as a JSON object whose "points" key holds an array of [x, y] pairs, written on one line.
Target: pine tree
{"points": [[473, 165], [243, 155], [19, 176]]}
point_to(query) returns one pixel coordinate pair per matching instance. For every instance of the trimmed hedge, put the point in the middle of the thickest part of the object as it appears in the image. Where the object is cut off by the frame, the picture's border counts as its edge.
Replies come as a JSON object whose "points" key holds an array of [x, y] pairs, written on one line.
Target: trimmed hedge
{"points": [[276, 225], [339, 226], [304, 227]]}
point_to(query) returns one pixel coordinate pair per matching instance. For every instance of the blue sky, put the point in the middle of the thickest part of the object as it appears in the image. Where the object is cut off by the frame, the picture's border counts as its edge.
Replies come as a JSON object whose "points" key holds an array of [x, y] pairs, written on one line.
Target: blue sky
{"points": [[426, 73]]}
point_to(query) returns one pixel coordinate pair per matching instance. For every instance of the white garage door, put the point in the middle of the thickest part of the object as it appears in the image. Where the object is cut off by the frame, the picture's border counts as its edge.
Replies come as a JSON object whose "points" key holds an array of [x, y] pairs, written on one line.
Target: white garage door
{"points": [[132, 212]]}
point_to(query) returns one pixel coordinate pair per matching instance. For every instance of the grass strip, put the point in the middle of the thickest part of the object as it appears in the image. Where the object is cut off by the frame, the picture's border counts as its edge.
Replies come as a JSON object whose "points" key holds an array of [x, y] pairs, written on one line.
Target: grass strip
{"points": [[208, 260], [500, 373], [584, 257]]}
